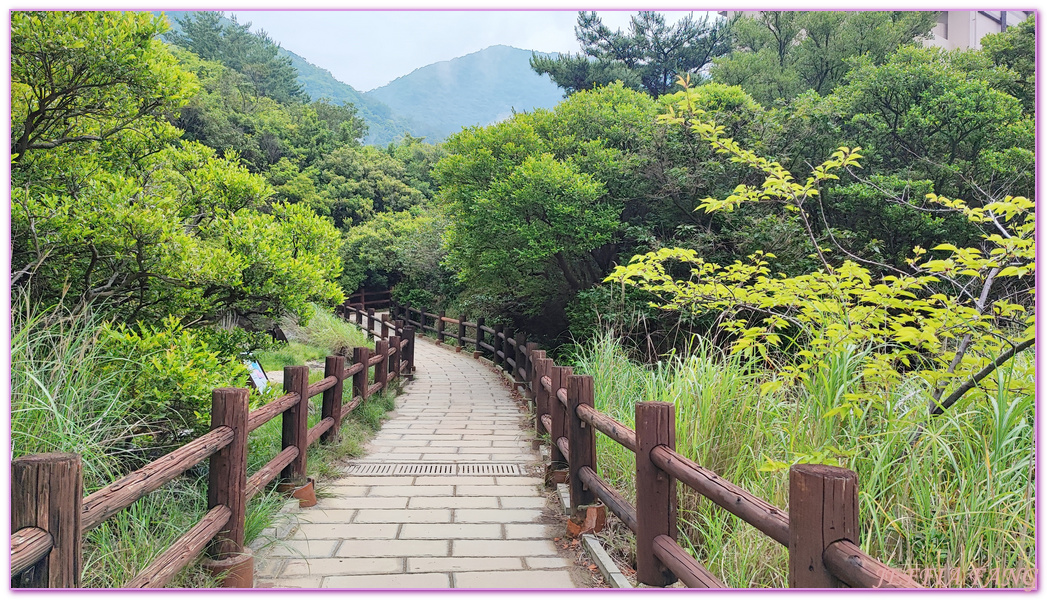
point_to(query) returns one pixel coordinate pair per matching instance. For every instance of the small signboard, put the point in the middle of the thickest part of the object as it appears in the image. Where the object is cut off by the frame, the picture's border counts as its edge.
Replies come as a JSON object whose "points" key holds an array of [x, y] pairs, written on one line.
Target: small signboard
{"points": [[258, 376]]}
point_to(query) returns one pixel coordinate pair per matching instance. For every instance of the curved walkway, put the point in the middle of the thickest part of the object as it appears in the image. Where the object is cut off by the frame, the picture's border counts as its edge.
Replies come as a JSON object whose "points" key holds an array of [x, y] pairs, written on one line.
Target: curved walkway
{"points": [[441, 500]]}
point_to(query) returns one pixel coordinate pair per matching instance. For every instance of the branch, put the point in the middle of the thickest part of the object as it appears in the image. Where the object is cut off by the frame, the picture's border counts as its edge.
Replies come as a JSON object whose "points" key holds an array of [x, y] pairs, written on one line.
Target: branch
{"points": [[980, 375]]}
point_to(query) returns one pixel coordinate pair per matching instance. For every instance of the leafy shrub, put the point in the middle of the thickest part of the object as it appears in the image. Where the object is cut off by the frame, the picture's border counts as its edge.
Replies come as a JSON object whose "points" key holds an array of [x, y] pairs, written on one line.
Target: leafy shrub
{"points": [[179, 370]]}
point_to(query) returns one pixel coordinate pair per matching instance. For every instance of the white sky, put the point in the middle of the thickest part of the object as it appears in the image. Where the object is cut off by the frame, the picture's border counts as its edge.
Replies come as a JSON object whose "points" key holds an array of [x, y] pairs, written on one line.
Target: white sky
{"points": [[369, 48]]}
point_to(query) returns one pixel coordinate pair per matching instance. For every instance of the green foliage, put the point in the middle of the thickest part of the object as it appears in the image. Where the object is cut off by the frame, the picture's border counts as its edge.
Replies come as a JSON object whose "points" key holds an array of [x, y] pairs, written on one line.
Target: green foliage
{"points": [[1015, 49], [649, 57], [974, 516], [253, 55], [777, 55], [954, 340], [79, 78], [397, 249], [172, 389]]}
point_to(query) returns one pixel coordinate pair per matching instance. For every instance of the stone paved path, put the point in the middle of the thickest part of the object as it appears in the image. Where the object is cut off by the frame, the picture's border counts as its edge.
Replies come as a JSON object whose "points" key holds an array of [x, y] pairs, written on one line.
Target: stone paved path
{"points": [[431, 531]]}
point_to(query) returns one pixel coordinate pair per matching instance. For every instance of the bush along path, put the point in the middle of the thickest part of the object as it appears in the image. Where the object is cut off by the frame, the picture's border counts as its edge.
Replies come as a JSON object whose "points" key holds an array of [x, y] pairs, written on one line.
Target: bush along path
{"points": [[443, 499]]}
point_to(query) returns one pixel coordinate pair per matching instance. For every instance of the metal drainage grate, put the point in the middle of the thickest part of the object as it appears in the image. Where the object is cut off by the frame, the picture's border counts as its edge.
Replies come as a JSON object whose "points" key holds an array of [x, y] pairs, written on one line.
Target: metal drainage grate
{"points": [[434, 469]]}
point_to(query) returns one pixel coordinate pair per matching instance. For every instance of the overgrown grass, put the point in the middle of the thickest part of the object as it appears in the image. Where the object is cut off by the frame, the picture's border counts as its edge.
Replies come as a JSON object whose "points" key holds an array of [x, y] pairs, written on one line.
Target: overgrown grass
{"points": [[323, 335], [66, 397], [961, 498]]}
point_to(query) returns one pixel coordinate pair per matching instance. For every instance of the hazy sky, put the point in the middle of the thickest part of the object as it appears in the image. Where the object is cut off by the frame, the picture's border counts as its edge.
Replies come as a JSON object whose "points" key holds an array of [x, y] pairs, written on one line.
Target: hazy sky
{"points": [[368, 49]]}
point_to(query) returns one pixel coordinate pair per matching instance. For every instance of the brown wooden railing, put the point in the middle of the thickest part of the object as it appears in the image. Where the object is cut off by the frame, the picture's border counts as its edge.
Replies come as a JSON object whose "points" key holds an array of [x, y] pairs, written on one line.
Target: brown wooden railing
{"points": [[820, 529], [49, 514], [364, 299]]}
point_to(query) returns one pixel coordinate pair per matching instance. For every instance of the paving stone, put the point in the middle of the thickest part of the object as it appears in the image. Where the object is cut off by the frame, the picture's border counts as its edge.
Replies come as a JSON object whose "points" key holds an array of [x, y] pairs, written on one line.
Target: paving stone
{"points": [[503, 548], [545, 562], [304, 548], [451, 531], [497, 515], [367, 515], [398, 582], [356, 531], [514, 579], [327, 514], [361, 502], [526, 531], [291, 582], [458, 563], [497, 490], [370, 549], [518, 480], [342, 566], [417, 490], [522, 502], [463, 480], [453, 502]]}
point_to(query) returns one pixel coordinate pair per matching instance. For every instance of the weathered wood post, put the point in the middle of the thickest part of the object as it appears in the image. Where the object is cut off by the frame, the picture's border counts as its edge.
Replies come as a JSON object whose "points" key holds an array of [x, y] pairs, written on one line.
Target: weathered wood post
{"points": [[461, 331], [558, 412], [508, 351], [479, 337], [497, 344], [394, 360], [440, 327], [332, 402], [295, 431], [655, 490], [527, 374], [361, 354], [385, 326], [228, 559], [370, 321], [359, 310], [541, 397], [381, 370], [409, 351], [521, 345], [582, 439], [823, 508], [47, 492]]}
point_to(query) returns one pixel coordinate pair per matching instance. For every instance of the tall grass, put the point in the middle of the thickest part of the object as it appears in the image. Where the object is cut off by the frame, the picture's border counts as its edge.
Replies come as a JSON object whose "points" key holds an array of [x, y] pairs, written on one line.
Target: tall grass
{"points": [[67, 396], [959, 499], [322, 335]]}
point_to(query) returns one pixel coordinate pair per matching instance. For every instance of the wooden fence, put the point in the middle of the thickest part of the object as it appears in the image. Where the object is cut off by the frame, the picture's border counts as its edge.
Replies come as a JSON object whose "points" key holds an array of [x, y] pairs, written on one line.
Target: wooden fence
{"points": [[49, 514], [820, 529], [365, 300]]}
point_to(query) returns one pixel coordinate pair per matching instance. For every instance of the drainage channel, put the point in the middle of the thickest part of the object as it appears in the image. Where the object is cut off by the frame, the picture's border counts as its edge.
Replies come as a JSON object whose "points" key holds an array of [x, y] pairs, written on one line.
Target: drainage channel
{"points": [[435, 469]]}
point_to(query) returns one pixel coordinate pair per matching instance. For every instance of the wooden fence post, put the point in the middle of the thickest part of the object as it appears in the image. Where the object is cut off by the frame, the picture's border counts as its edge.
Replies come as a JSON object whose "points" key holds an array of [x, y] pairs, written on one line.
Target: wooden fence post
{"points": [[541, 397], [520, 358], [823, 508], [461, 331], [479, 336], [440, 327], [507, 350], [332, 403], [359, 310], [370, 321], [559, 377], [655, 491], [582, 439], [361, 354], [497, 344], [381, 370], [295, 431], [47, 492], [528, 373], [394, 360], [409, 351], [385, 326], [227, 486]]}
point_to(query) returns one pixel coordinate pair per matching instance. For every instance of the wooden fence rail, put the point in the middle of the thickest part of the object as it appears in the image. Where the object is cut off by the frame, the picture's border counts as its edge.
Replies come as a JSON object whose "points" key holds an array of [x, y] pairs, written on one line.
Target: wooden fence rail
{"points": [[820, 529], [50, 515]]}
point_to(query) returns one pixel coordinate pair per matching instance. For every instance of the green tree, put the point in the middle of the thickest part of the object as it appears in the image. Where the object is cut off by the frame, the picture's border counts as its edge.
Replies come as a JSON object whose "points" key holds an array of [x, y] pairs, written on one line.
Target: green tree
{"points": [[253, 55], [777, 55], [650, 56], [1015, 49], [84, 77]]}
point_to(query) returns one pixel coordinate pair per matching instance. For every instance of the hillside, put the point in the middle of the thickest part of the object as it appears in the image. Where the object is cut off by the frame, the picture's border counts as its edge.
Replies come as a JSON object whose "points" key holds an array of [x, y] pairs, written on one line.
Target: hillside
{"points": [[476, 89]]}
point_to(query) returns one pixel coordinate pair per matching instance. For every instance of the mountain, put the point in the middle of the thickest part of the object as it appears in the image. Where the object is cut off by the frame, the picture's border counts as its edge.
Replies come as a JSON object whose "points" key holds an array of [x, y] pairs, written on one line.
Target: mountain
{"points": [[476, 89]]}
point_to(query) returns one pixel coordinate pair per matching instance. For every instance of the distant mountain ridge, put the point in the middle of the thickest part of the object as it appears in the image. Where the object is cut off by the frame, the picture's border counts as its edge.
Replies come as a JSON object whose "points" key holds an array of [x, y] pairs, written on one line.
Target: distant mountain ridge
{"points": [[476, 89], [436, 100]]}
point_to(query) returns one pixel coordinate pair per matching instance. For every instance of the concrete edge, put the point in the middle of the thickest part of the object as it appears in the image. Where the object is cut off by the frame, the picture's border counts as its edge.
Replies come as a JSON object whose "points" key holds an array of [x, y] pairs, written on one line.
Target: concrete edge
{"points": [[610, 571]]}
